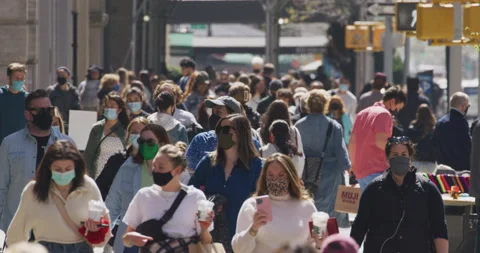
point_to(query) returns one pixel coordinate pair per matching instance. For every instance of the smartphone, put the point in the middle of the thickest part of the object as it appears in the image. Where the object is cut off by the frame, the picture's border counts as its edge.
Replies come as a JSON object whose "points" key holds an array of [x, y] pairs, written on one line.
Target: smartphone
{"points": [[264, 204]]}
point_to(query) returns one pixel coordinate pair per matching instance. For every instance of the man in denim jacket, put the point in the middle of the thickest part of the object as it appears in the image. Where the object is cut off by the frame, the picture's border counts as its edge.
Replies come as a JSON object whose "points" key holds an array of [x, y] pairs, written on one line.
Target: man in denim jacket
{"points": [[22, 151]]}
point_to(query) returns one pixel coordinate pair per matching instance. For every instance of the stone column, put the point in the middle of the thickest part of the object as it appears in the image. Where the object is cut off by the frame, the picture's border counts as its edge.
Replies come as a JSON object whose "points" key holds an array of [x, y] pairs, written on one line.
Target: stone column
{"points": [[83, 61], [97, 22]]}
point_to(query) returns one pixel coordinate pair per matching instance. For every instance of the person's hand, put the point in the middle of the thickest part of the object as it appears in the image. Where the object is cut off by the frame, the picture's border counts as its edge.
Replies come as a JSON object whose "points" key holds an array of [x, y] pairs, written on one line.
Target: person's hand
{"points": [[136, 239], [259, 220], [206, 224], [319, 239], [92, 226]]}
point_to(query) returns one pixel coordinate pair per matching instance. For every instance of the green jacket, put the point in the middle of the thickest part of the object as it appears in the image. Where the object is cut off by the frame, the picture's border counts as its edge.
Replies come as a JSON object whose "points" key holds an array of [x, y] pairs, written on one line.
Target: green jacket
{"points": [[92, 150]]}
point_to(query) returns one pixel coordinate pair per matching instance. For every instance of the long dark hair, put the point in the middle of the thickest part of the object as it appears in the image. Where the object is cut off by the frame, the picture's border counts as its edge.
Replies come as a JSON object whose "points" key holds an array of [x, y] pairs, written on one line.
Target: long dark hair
{"points": [[277, 110], [161, 135], [253, 84], [122, 116], [246, 149], [425, 119], [59, 150], [281, 132]]}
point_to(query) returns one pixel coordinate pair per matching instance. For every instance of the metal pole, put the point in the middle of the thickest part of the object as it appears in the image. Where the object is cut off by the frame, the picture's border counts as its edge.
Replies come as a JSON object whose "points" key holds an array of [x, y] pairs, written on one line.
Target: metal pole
{"points": [[388, 48], [75, 48], [455, 59], [406, 61], [144, 36], [478, 76], [134, 36]]}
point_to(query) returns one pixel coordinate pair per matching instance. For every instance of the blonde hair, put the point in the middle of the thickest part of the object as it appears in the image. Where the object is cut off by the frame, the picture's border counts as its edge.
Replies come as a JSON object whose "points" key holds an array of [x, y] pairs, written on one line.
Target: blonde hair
{"points": [[175, 154], [295, 188], [172, 87], [140, 120], [316, 101], [58, 120], [16, 67], [240, 92], [109, 79], [191, 82]]}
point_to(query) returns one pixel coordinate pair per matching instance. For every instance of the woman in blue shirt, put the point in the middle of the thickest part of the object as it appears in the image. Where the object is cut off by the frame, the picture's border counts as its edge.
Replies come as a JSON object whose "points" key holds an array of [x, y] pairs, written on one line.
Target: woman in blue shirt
{"points": [[231, 170]]}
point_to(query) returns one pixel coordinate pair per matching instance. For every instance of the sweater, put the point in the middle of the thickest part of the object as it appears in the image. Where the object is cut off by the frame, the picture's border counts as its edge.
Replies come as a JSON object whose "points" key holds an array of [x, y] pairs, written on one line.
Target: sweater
{"points": [[11, 120]]}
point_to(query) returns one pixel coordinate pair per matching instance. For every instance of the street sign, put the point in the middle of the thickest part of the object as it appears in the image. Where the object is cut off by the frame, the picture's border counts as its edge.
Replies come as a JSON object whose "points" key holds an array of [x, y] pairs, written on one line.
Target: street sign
{"points": [[381, 9], [406, 16]]}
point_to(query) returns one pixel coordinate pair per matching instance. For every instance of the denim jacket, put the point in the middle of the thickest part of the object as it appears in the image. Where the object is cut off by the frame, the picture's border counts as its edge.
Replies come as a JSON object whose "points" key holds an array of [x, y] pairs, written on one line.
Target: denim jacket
{"points": [[18, 157], [125, 185]]}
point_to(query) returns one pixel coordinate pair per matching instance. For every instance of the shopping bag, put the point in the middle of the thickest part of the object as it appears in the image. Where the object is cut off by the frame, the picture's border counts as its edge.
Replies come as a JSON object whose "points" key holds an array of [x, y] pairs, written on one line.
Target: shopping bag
{"points": [[348, 199], [206, 248]]}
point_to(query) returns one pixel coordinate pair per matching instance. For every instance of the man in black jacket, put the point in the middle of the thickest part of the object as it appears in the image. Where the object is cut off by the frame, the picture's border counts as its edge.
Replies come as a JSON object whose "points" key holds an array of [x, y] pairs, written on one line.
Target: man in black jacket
{"points": [[414, 100], [274, 86], [451, 138]]}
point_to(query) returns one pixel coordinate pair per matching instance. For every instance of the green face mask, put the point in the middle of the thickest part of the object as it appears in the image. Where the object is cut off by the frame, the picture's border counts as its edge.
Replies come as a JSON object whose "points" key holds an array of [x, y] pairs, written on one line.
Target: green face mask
{"points": [[148, 151], [225, 141]]}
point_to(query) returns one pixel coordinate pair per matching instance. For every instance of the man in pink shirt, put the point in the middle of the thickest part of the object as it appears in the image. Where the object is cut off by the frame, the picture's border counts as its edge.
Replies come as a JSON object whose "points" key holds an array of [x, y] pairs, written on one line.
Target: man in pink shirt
{"points": [[371, 130]]}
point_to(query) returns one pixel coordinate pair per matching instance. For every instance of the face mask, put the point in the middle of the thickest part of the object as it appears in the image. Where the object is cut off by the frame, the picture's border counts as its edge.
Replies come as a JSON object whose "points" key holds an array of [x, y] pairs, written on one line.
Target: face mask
{"points": [[394, 112], [277, 187], [17, 85], [56, 128], [399, 165], [63, 179], [256, 71], [61, 80], [343, 87], [162, 179], [134, 140], [466, 110], [43, 120], [225, 141], [148, 151], [213, 121], [116, 87], [335, 106], [110, 113], [134, 106]]}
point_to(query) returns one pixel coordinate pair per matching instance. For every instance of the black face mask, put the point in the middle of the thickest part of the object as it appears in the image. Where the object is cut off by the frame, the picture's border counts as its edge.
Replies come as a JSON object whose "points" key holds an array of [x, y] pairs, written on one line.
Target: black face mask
{"points": [[61, 80], [213, 121], [162, 179], [43, 120], [335, 106], [256, 71]]}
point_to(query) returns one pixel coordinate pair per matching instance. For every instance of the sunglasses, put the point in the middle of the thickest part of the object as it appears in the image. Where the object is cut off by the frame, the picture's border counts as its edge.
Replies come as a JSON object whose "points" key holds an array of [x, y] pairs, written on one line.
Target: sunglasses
{"points": [[225, 129], [399, 140], [50, 110], [149, 142]]}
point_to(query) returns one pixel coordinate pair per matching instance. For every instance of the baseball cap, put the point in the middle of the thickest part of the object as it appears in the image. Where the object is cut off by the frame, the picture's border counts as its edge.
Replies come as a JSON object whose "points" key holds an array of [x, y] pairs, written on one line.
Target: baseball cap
{"points": [[338, 243], [202, 77], [227, 101], [380, 75]]}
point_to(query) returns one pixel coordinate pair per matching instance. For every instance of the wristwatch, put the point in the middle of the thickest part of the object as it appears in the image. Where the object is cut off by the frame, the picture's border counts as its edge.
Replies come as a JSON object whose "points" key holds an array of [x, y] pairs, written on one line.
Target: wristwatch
{"points": [[252, 232]]}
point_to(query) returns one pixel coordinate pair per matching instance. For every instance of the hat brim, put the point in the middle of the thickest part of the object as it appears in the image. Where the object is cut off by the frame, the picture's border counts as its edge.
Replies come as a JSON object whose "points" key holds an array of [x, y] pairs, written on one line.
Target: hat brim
{"points": [[210, 103]]}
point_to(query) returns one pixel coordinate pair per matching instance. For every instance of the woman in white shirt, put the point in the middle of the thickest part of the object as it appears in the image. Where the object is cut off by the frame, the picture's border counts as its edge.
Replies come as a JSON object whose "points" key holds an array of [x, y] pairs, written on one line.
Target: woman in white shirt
{"points": [[292, 209], [60, 179], [280, 142], [152, 203]]}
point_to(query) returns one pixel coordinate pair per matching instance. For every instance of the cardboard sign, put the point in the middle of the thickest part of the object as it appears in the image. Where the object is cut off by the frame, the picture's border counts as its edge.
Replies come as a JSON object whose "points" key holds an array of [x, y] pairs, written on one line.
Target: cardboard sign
{"points": [[348, 199], [79, 126]]}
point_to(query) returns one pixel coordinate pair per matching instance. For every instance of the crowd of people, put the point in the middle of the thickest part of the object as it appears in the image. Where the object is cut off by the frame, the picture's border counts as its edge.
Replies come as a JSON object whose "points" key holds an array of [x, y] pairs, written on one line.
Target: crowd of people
{"points": [[160, 146]]}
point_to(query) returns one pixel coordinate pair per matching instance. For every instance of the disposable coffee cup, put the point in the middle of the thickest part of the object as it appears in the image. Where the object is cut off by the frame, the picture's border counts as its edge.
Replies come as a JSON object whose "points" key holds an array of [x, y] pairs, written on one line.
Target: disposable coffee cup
{"points": [[96, 210], [204, 209], [320, 220]]}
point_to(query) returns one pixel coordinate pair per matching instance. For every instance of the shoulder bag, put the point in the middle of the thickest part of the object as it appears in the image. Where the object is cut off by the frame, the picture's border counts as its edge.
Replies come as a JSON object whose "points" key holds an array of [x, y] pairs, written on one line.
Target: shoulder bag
{"points": [[314, 165]]}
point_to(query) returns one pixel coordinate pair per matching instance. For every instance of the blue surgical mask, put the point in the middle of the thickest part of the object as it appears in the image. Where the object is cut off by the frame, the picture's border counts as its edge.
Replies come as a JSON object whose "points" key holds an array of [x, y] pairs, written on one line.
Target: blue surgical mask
{"points": [[134, 140], [343, 87], [110, 113], [17, 85], [63, 179], [134, 106], [56, 128]]}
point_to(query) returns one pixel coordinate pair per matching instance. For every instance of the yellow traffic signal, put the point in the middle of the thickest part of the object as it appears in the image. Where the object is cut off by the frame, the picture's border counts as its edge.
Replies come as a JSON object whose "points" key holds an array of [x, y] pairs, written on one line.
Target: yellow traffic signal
{"points": [[435, 21], [471, 21], [377, 39], [356, 37]]}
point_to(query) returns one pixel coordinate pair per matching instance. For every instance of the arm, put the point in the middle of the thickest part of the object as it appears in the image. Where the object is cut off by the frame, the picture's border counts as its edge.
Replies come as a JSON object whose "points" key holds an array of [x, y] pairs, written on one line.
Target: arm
{"points": [[383, 127], [437, 220], [381, 140], [364, 216], [114, 197], [19, 229], [195, 151], [351, 149], [200, 174], [4, 175], [343, 162], [90, 152], [75, 101], [243, 241], [301, 163]]}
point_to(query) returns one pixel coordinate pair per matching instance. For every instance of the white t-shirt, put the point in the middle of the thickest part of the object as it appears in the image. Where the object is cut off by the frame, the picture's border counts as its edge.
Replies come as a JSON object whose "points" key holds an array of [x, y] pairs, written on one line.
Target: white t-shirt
{"points": [[289, 225], [152, 203]]}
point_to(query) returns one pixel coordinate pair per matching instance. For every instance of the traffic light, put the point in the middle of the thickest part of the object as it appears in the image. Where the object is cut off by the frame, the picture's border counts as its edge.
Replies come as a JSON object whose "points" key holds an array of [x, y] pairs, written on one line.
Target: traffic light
{"points": [[471, 21], [377, 39], [356, 37], [435, 22]]}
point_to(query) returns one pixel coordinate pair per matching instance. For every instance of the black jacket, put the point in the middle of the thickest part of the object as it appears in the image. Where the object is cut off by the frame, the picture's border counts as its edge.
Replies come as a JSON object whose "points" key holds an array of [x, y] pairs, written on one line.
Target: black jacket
{"points": [[105, 179], [453, 141], [264, 104], [424, 148], [252, 116], [382, 206], [409, 111], [64, 100]]}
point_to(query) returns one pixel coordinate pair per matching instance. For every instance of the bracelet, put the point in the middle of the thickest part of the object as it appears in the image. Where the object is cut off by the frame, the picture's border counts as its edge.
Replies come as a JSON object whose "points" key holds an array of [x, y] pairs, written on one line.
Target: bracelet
{"points": [[252, 232]]}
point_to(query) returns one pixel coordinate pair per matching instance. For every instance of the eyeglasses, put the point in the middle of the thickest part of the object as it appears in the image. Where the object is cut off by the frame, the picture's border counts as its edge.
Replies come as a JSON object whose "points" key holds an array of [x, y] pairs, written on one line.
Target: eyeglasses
{"points": [[50, 110], [225, 129], [149, 142], [399, 140]]}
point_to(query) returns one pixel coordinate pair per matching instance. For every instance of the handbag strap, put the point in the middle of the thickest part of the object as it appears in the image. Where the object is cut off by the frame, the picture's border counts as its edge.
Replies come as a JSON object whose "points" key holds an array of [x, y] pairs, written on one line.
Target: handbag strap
{"points": [[169, 214], [329, 133], [63, 212]]}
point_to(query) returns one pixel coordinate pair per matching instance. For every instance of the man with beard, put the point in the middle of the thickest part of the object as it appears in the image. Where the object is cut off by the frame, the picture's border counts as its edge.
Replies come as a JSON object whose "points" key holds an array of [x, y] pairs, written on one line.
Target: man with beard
{"points": [[22, 151], [375, 95], [207, 141], [371, 130]]}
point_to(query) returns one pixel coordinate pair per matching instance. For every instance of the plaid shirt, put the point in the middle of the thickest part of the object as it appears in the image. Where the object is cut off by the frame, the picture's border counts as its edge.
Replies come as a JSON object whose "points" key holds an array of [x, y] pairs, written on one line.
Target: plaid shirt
{"points": [[171, 245]]}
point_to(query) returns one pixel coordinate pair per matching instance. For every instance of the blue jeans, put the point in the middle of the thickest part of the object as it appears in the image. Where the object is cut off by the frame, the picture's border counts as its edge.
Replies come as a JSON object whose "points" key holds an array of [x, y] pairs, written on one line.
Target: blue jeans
{"points": [[366, 180], [477, 239], [81, 247]]}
